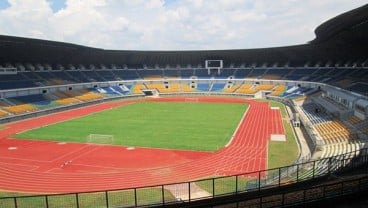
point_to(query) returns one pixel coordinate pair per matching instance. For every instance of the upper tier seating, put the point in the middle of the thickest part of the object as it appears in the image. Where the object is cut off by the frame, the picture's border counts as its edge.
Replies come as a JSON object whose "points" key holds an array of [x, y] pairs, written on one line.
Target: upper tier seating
{"points": [[256, 73], [130, 74], [242, 73], [202, 73], [353, 79], [360, 87], [275, 73], [173, 73], [186, 73], [151, 74]]}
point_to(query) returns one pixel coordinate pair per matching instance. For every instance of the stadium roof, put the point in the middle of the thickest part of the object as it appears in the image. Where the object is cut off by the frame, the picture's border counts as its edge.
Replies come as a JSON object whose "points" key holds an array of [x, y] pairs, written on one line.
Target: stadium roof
{"points": [[343, 39]]}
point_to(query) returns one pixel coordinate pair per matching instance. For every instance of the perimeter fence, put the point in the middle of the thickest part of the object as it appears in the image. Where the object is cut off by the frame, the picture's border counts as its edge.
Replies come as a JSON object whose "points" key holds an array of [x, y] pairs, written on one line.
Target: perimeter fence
{"points": [[179, 193]]}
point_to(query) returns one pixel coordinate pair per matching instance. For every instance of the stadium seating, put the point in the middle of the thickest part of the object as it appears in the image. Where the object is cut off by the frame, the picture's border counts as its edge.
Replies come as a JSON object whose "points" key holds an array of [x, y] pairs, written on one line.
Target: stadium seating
{"points": [[173, 88], [66, 101], [331, 130], [106, 74], [252, 89], [215, 87], [360, 87], [3, 113], [275, 73], [18, 109], [354, 120], [225, 73], [186, 88], [340, 148], [137, 89], [232, 89], [242, 73], [278, 90], [202, 73], [173, 73], [38, 100], [256, 73], [6, 83], [315, 113], [88, 96], [335, 132], [295, 92], [126, 74], [79, 75], [244, 88], [204, 87], [186, 73], [151, 74], [158, 86], [344, 83]]}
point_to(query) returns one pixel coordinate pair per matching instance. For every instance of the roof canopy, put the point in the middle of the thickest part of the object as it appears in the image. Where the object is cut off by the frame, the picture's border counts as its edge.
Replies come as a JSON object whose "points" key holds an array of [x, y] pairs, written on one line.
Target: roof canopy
{"points": [[342, 39]]}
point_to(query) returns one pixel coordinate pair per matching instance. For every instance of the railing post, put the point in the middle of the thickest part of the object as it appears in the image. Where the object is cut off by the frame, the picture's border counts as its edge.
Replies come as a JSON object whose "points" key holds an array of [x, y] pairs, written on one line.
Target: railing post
{"points": [[236, 184], [297, 172], [163, 194], [279, 177], [77, 199], [107, 199], [189, 191], [47, 201], [15, 202], [259, 180], [213, 187], [135, 197]]}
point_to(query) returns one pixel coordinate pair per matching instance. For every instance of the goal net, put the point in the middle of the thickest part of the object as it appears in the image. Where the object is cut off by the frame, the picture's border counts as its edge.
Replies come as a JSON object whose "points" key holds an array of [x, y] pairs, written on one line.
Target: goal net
{"points": [[100, 139]]}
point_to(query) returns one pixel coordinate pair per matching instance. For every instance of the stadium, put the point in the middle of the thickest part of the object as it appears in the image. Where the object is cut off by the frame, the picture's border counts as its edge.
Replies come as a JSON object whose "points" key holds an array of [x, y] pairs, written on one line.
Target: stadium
{"points": [[270, 127]]}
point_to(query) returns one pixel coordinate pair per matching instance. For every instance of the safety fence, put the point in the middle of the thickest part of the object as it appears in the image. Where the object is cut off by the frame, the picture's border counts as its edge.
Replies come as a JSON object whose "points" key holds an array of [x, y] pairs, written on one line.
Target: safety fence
{"points": [[199, 189]]}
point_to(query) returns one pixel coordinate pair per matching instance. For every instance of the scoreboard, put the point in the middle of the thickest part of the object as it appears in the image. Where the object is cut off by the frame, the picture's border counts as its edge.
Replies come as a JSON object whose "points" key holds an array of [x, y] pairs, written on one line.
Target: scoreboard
{"points": [[214, 64]]}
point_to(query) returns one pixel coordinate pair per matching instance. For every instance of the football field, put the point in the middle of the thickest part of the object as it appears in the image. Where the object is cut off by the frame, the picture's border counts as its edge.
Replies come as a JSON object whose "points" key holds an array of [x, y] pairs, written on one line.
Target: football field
{"points": [[168, 125]]}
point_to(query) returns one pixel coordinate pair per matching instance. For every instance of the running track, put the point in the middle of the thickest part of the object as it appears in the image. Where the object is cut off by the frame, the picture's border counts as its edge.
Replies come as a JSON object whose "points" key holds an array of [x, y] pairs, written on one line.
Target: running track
{"points": [[37, 166]]}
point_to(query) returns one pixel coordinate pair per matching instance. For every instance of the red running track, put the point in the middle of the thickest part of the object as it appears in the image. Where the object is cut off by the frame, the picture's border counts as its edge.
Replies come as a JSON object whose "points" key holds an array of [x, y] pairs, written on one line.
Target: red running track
{"points": [[52, 167]]}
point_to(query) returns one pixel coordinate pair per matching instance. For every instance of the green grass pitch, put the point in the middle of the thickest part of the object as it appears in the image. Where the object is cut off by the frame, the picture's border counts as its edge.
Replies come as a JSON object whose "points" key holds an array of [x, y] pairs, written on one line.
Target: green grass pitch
{"points": [[188, 126]]}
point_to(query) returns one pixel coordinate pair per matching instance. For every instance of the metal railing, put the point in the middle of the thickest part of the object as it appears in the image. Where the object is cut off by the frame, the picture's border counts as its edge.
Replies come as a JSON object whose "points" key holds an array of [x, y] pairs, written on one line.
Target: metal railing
{"points": [[199, 189]]}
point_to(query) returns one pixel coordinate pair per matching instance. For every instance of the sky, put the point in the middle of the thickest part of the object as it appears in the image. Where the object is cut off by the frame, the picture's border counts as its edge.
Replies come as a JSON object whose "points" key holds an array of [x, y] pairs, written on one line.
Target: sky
{"points": [[170, 24]]}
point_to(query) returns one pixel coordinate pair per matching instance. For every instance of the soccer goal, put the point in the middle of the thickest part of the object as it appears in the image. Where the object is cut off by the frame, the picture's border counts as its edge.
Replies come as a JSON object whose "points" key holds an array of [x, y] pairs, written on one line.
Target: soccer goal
{"points": [[100, 139]]}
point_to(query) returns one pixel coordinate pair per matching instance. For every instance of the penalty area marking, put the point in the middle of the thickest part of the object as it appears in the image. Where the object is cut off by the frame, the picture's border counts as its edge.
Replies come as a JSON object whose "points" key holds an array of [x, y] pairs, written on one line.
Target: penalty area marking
{"points": [[12, 148], [130, 148]]}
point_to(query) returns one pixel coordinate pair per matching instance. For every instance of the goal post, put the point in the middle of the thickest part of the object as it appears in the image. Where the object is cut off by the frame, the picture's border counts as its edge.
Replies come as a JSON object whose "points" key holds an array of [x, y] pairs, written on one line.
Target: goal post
{"points": [[100, 139]]}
